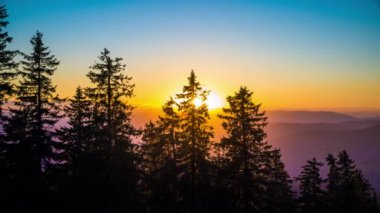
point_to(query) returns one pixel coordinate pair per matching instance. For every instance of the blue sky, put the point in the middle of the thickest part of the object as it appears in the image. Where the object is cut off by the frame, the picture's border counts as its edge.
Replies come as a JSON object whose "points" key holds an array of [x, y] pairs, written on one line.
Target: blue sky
{"points": [[273, 47]]}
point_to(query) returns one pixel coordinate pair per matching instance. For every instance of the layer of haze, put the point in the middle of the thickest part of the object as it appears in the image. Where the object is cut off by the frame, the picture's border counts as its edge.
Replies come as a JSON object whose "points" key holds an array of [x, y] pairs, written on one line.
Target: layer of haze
{"points": [[311, 54]]}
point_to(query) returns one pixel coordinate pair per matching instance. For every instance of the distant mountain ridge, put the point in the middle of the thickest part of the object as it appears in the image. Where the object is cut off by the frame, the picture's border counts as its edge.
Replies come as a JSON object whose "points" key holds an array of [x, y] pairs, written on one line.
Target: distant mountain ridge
{"points": [[283, 116], [316, 136]]}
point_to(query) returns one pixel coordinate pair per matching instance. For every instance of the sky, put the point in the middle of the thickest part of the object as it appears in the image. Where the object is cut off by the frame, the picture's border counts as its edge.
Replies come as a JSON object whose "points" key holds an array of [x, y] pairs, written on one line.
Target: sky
{"points": [[303, 55]]}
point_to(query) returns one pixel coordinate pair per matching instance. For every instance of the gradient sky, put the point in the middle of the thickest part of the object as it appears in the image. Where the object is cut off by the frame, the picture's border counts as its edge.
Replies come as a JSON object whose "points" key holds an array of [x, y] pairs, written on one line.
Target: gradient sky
{"points": [[311, 54]]}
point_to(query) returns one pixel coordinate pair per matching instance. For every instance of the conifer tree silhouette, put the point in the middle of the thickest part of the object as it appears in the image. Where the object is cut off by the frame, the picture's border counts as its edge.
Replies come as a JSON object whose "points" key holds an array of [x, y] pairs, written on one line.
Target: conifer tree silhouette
{"points": [[7, 74], [107, 174], [159, 155], [176, 148], [112, 113], [195, 142], [348, 190], [79, 133], [312, 195], [7, 63], [252, 166], [30, 125]]}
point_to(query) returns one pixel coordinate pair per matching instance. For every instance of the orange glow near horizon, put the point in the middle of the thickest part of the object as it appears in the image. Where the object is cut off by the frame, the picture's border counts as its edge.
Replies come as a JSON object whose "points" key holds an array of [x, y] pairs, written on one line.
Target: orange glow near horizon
{"points": [[274, 93]]}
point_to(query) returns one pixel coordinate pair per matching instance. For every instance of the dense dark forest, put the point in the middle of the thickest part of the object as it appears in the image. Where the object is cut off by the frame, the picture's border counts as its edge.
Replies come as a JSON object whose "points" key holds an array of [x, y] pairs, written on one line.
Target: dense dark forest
{"points": [[100, 162]]}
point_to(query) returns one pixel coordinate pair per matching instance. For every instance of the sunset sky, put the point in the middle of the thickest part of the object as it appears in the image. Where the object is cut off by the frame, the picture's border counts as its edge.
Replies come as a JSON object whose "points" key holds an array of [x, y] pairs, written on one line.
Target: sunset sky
{"points": [[311, 54]]}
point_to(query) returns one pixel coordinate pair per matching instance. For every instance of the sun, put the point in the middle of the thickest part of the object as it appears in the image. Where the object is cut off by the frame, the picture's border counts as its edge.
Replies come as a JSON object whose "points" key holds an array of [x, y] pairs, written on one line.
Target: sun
{"points": [[213, 101], [197, 102]]}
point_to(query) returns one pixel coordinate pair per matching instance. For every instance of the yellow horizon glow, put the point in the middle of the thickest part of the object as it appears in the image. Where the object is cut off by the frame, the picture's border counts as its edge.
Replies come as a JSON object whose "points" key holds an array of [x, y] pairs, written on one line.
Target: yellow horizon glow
{"points": [[291, 86]]}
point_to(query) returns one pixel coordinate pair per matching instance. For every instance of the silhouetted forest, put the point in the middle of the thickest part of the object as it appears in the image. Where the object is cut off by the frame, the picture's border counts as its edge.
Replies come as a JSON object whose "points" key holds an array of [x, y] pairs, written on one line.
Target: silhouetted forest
{"points": [[100, 162]]}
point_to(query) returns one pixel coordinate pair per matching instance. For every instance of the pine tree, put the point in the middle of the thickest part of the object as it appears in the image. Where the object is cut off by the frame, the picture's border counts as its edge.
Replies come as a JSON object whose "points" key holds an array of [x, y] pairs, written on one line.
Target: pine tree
{"points": [[7, 74], [365, 193], [112, 113], [78, 134], [347, 200], [169, 125], [160, 139], [36, 100], [107, 178], [159, 152], [195, 143], [30, 126], [280, 197], [348, 189], [253, 166], [312, 195], [244, 127], [332, 183], [152, 149], [7, 63]]}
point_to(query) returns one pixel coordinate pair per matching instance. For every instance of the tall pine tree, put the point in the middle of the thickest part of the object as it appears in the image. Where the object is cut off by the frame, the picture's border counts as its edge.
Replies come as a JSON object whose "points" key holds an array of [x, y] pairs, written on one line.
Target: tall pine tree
{"points": [[7, 74], [195, 142], [112, 113], [332, 183], [108, 175], [7, 63], [253, 166], [30, 126], [312, 195]]}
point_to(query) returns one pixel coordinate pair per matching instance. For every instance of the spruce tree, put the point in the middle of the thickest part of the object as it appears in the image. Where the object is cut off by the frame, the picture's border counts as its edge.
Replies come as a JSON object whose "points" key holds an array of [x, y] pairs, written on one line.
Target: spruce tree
{"points": [[78, 134], [195, 143], [152, 149], [112, 113], [37, 102], [332, 183], [7, 63], [279, 195], [30, 125], [7, 74], [348, 189], [108, 175], [347, 198], [253, 166], [169, 125], [161, 139], [312, 195], [159, 150]]}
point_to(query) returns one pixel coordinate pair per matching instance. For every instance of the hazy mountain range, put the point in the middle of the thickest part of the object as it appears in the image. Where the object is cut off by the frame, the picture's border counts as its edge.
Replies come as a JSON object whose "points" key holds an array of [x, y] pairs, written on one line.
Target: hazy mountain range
{"points": [[302, 135]]}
